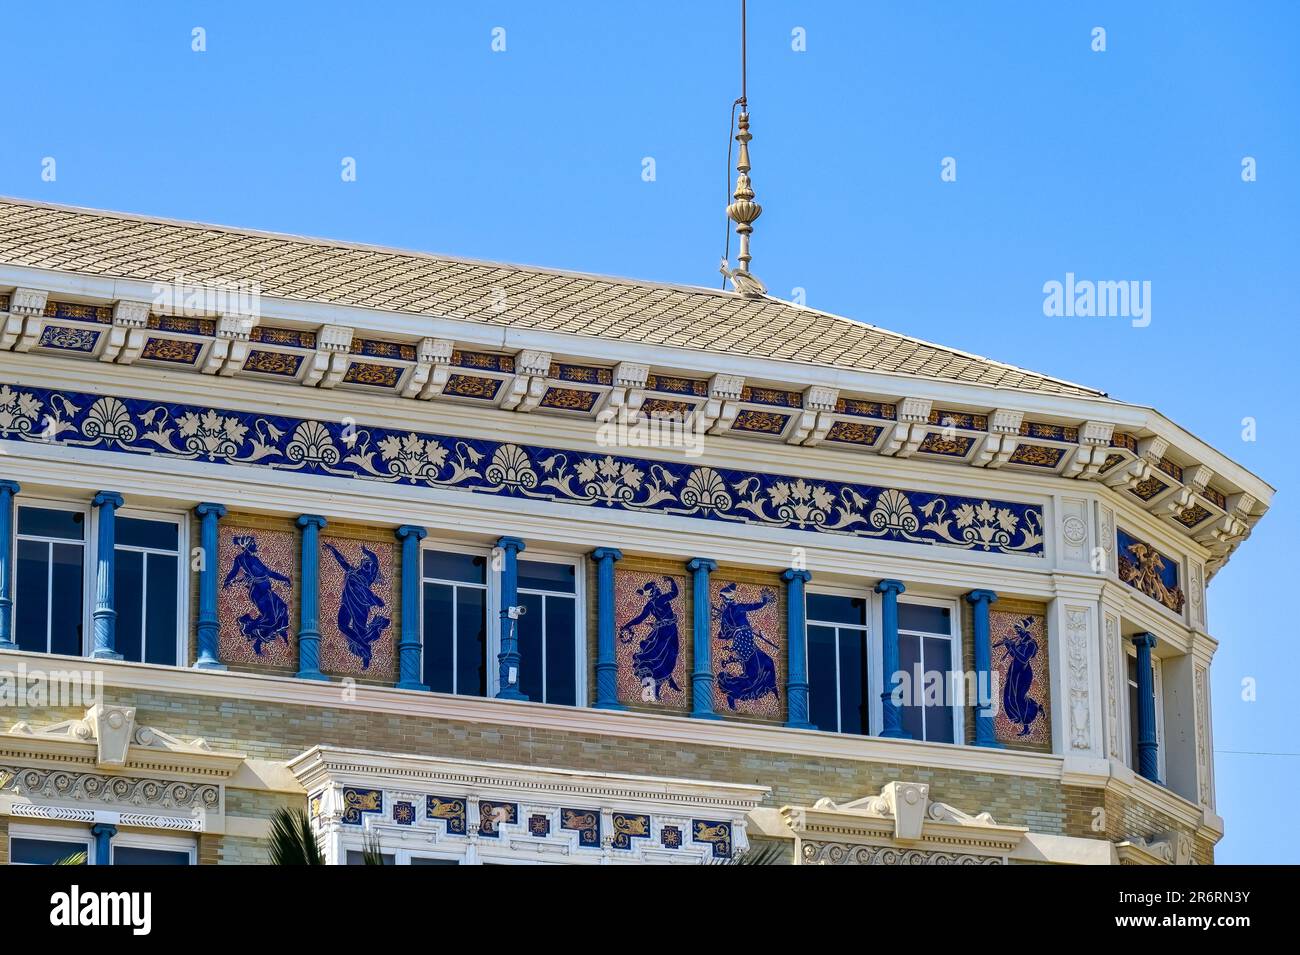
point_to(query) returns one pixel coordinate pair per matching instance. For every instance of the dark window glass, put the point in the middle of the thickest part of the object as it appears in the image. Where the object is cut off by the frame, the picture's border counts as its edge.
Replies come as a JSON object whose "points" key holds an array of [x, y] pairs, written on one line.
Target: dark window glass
{"points": [[438, 637], [43, 851], [464, 568], [530, 627], [561, 686], [822, 702], [31, 589], [544, 575], [136, 532], [65, 622], [425, 860], [853, 681], [924, 618], [160, 615], [909, 655], [129, 582], [48, 522], [471, 641], [938, 716], [359, 858], [138, 855], [829, 608]]}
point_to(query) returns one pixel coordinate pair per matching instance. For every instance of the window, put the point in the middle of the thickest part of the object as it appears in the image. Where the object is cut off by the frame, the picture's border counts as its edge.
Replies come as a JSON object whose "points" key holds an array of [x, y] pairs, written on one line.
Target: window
{"points": [[838, 696], [548, 631], [148, 586], [49, 584], [48, 845], [358, 857], [455, 622], [38, 849], [1133, 702], [140, 849], [926, 645]]}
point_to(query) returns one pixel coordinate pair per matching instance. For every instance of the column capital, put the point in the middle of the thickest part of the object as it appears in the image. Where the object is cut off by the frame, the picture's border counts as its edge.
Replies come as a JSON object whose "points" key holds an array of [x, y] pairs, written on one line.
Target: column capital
{"points": [[311, 520], [13, 487], [791, 575], [411, 530], [111, 498], [1147, 640], [512, 543], [978, 596], [207, 507], [103, 829], [697, 564], [890, 586], [606, 553]]}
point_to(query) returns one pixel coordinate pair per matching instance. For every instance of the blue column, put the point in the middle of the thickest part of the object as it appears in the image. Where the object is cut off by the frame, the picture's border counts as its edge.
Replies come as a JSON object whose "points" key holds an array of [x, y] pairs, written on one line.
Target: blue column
{"points": [[796, 648], [889, 590], [702, 675], [606, 664], [1148, 749], [103, 834], [980, 600], [104, 614], [309, 606], [508, 658], [7, 491], [209, 630], [408, 644]]}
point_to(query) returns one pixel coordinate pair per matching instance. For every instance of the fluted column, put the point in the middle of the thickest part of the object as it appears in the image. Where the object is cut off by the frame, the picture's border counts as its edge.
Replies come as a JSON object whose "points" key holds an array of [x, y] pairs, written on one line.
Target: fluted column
{"points": [[606, 663], [105, 614], [309, 601], [508, 659], [8, 489], [702, 675], [796, 647], [1148, 748], [408, 643], [889, 590], [985, 734], [209, 629]]}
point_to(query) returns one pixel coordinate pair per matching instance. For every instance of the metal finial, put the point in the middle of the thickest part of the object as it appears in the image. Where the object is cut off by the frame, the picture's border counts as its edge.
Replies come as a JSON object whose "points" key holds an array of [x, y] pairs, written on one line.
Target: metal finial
{"points": [[743, 211]]}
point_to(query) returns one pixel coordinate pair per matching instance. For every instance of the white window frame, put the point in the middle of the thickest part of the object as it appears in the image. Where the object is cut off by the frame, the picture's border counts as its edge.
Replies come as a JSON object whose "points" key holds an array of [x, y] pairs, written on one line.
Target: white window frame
{"points": [[579, 620], [84, 508], [958, 702], [144, 840], [181, 520], [490, 585], [74, 834], [868, 617]]}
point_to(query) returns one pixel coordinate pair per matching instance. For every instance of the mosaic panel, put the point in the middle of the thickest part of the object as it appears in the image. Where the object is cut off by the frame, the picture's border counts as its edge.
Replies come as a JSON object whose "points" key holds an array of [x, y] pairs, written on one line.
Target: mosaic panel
{"points": [[1191, 516], [666, 406], [1149, 488], [716, 833], [253, 604], [581, 374], [694, 387], [748, 650], [760, 422], [65, 338], [1019, 644], [866, 409], [1112, 460], [404, 813], [171, 350], [1121, 440], [1173, 470], [4, 303], [1215, 498], [850, 432], [649, 610], [100, 314], [959, 419], [375, 348], [467, 386], [368, 373], [670, 837], [539, 825], [273, 363], [358, 803], [936, 443], [450, 809], [1147, 570], [1053, 432], [628, 826], [1037, 455], [771, 396], [493, 815], [483, 360], [585, 822], [356, 608], [293, 337], [569, 399], [185, 326]]}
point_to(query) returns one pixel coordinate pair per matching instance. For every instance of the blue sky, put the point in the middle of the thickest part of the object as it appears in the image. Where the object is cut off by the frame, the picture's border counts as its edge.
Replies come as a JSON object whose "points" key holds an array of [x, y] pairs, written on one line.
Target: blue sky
{"points": [[1124, 164]]}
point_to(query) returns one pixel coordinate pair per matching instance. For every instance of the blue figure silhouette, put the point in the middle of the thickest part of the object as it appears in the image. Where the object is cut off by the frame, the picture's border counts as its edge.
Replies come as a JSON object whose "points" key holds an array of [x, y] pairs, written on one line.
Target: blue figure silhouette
{"points": [[757, 677], [655, 658], [271, 622], [1016, 703], [357, 601]]}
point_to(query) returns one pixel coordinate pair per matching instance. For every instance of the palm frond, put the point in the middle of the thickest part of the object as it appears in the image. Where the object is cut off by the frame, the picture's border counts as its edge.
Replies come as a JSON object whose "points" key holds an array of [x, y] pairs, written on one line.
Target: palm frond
{"points": [[77, 858], [292, 840]]}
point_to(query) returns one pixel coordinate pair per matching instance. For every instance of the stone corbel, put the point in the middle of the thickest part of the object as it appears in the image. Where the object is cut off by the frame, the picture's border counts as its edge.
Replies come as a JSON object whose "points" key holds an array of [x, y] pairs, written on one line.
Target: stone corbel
{"points": [[1094, 445], [1130, 476], [812, 425], [26, 319], [718, 412], [126, 338], [230, 348], [432, 368], [329, 364], [1002, 439], [625, 398], [911, 428], [1174, 848], [524, 392]]}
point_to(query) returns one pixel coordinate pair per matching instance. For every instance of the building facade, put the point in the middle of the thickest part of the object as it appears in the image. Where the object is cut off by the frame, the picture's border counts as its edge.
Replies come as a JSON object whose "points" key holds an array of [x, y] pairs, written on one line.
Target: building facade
{"points": [[503, 565]]}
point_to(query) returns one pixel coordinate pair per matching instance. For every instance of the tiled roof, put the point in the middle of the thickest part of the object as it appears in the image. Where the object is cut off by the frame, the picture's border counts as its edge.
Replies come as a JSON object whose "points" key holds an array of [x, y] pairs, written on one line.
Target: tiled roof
{"points": [[314, 270]]}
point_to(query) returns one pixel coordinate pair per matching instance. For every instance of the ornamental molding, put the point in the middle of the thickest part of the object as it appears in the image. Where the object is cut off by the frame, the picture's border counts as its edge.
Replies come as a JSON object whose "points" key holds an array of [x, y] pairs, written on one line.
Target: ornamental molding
{"points": [[1165, 848], [1078, 681], [843, 853], [39, 785]]}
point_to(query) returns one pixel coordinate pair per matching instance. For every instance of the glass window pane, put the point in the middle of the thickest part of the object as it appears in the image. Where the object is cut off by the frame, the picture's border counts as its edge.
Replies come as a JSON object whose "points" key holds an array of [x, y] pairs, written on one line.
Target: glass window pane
{"points": [[437, 637], [465, 568], [471, 641], [829, 608], [42, 851], [909, 656], [821, 678], [561, 651], [137, 532], [160, 615], [529, 627], [31, 596], [65, 625], [129, 601], [426, 860], [544, 575], [49, 522], [359, 858], [139, 855], [938, 717], [853, 681], [924, 617]]}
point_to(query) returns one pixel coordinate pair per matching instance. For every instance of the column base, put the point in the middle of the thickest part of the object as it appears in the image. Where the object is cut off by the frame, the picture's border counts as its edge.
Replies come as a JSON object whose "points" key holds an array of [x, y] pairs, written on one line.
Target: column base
{"points": [[8, 647], [608, 705], [412, 685], [800, 726], [895, 734], [989, 744], [511, 695], [311, 675], [705, 716], [209, 665], [103, 654]]}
